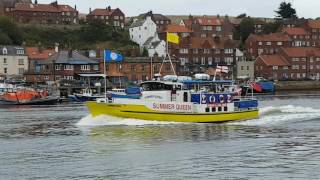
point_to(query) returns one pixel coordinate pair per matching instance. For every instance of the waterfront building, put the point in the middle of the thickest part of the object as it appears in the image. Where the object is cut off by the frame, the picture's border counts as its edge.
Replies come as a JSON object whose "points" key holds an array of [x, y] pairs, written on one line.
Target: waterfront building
{"points": [[52, 13], [196, 54], [299, 36], [40, 69], [206, 26], [13, 61], [113, 17], [290, 63], [144, 33], [160, 20], [265, 44], [136, 69]]}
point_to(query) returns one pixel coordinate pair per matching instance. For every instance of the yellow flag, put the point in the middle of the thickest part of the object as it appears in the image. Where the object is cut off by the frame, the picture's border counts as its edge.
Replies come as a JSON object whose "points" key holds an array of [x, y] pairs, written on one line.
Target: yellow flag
{"points": [[171, 37]]}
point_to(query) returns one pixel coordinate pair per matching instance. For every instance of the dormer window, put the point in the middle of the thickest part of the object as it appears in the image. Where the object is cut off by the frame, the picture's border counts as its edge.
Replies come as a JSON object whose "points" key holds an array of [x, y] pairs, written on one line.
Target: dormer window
{"points": [[5, 51], [20, 51]]}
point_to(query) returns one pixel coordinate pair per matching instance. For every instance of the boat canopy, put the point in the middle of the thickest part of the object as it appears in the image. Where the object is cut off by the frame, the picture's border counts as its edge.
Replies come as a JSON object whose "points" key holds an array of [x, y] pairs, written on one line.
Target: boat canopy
{"points": [[193, 82]]}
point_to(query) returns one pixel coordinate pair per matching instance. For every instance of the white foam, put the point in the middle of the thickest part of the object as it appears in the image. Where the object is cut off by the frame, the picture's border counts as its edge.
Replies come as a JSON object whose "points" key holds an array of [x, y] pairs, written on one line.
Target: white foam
{"points": [[114, 121], [274, 115]]}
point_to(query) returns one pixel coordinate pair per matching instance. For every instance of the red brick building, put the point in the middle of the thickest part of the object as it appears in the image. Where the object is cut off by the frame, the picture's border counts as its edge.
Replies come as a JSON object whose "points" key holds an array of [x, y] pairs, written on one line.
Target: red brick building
{"points": [[313, 27], [197, 54], [271, 67], [40, 69], [53, 13], [136, 69], [299, 36], [209, 26], [113, 17], [265, 44], [290, 63]]}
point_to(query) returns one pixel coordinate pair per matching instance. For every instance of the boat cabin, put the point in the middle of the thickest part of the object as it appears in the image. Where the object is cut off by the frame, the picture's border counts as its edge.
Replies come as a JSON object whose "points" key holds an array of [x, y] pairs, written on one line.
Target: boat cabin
{"points": [[165, 91]]}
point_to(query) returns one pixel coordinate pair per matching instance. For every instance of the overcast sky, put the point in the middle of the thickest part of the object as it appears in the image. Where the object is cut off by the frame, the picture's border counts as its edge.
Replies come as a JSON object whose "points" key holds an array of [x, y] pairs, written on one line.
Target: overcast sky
{"points": [[257, 8]]}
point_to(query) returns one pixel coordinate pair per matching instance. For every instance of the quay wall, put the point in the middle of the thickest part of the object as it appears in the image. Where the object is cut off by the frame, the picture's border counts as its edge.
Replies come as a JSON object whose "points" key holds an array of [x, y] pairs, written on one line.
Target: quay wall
{"points": [[297, 85]]}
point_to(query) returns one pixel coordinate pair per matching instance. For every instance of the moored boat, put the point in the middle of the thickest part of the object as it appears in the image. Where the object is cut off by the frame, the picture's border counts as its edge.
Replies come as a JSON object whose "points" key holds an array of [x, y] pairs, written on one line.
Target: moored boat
{"points": [[172, 101]]}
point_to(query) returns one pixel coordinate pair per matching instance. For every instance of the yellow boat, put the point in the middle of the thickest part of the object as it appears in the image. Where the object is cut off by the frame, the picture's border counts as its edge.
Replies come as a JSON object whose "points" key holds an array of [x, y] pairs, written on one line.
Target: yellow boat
{"points": [[169, 101]]}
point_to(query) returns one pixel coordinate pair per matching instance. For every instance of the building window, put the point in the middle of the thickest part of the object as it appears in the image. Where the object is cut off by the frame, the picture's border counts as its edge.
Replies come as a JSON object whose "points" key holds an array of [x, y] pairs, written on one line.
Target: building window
{"points": [[20, 62], [21, 71], [96, 67], [303, 66], [20, 51], [195, 60], [183, 61], [5, 61], [133, 67], [209, 60], [217, 51], [46, 77], [295, 59], [195, 51], [203, 61], [68, 77], [268, 43], [68, 67], [241, 67], [183, 51], [260, 43], [85, 67], [228, 51], [260, 51], [5, 70], [203, 35], [285, 67], [218, 28], [228, 60], [206, 51], [57, 67]]}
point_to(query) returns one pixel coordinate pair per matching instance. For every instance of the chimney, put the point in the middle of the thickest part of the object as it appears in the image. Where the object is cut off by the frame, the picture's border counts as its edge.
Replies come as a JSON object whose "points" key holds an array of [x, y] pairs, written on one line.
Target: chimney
{"points": [[70, 53], [35, 1], [56, 47], [109, 8], [90, 10], [75, 7]]}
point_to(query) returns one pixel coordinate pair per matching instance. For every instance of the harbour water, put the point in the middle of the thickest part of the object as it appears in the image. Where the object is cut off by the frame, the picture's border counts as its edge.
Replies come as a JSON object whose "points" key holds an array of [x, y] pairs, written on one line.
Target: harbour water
{"points": [[64, 142]]}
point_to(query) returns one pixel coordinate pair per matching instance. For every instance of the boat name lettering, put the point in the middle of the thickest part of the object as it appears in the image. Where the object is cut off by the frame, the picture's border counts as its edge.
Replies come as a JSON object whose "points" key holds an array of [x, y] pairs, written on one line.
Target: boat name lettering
{"points": [[179, 107]]}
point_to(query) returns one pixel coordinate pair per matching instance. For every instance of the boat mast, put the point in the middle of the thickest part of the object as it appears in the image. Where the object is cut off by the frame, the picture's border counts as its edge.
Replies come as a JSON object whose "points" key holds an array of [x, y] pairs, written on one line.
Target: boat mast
{"points": [[169, 58], [105, 78]]}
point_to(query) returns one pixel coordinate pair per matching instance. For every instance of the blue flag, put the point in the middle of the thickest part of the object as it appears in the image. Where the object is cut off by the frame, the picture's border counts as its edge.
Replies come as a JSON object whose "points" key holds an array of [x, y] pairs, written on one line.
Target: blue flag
{"points": [[112, 56]]}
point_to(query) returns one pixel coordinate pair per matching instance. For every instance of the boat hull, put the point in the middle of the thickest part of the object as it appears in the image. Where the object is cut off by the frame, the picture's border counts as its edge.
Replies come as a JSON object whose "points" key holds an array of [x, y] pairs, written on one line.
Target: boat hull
{"points": [[144, 113]]}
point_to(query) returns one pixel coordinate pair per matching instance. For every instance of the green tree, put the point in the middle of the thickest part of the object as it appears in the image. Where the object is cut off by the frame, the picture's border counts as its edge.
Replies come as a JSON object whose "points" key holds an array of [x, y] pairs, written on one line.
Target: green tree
{"points": [[286, 11], [145, 52], [271, 27], [246, 27], [5, 39], [9, 28]]}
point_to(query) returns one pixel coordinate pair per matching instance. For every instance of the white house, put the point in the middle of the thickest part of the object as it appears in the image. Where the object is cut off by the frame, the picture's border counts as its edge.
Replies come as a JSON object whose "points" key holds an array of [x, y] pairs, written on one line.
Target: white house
{"points": [[13, 60], [144, 33], [155, 46]]}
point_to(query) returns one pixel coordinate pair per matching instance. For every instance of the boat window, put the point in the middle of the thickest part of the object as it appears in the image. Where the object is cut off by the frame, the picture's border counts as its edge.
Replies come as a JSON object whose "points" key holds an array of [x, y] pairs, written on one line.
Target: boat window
{"points": [[207, 109], [213, 109], [185, 97], [219, 109], [225, 109], [156, 86]]}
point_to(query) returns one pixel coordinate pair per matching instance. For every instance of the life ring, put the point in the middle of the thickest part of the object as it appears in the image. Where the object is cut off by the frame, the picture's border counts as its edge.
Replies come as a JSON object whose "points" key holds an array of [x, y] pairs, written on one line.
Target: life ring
{"points": [[229, 98], [221, 98], [212, 99]]}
